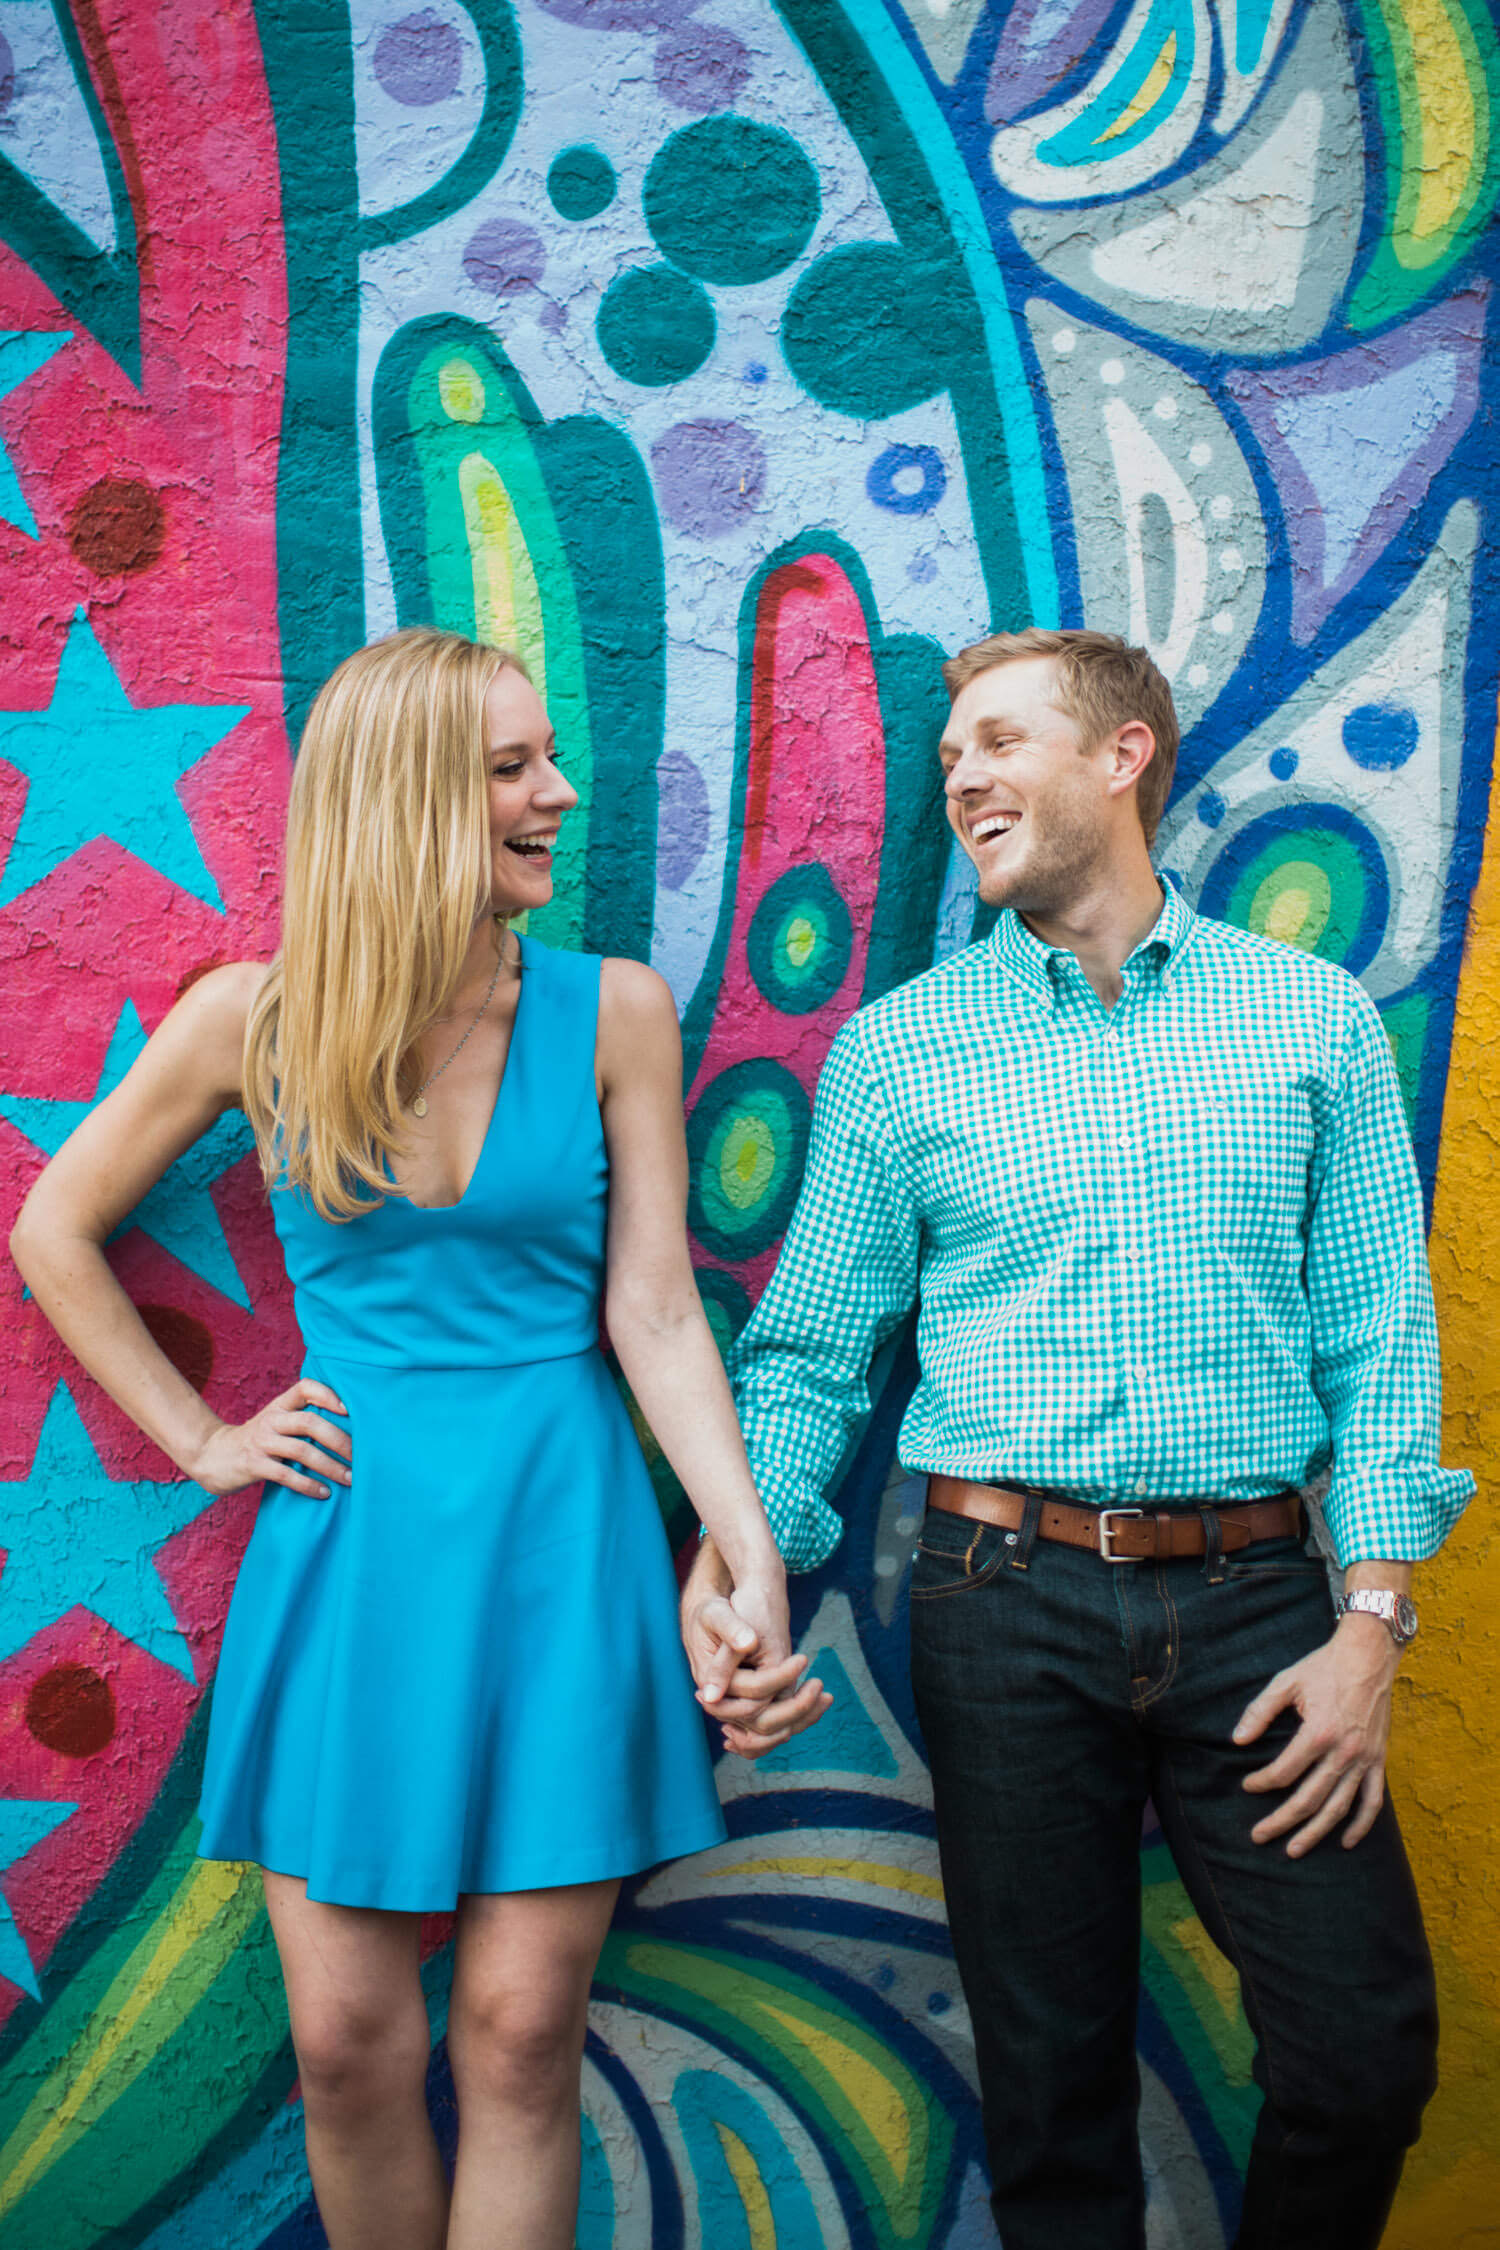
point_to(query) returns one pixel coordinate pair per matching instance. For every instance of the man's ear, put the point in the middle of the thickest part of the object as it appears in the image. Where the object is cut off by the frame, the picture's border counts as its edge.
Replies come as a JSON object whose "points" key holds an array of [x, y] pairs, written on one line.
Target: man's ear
{"points": [[1132, 748]]}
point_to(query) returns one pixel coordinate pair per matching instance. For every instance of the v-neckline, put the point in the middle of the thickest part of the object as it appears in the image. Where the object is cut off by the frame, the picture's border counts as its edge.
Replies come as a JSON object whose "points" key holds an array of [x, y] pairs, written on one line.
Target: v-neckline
{"points": [[523, 980]]}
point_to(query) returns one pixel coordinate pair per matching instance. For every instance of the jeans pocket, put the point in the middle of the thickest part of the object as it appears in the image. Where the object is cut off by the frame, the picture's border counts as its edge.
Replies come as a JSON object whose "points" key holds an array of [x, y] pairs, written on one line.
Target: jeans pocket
{"points": [[954, 1555], [1277, 1558]]}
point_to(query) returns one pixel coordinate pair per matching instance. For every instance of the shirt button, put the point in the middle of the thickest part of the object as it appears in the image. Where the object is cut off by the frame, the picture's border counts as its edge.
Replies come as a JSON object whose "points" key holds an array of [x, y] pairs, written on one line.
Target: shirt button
{"points": [[1134, 1250], [1141, 1488], [1124, 1140]]}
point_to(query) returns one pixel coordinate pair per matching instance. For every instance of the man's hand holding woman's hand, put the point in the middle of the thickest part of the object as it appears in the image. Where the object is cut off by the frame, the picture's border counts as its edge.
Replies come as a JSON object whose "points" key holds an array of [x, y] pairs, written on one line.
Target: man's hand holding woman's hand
{"points": [[738, 1641]]}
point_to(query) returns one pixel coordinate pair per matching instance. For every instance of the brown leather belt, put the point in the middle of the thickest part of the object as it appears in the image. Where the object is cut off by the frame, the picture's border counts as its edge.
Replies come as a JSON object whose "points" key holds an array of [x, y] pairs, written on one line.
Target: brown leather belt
{"points": [[1123, 1534]]}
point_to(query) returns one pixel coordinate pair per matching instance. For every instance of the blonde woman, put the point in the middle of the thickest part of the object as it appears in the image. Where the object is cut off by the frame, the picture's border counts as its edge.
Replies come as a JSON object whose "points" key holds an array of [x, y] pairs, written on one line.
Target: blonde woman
{"points": [[451, 1673]]}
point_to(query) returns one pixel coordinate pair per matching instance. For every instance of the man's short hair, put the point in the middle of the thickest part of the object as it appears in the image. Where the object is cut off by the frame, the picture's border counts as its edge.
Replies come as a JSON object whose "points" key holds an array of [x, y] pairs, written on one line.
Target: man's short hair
{"points": [[1101, 683]]}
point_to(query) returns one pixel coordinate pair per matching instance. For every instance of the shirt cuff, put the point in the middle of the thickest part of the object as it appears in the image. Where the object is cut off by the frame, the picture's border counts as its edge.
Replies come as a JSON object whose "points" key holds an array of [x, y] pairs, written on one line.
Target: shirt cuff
{"points": [[1394, 1517], [806, 1529]]}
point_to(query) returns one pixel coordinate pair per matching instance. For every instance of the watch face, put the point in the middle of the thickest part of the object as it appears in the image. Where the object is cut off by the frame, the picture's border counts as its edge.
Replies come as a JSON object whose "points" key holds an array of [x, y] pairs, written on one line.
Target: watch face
{"points": [[1406, 1617]]}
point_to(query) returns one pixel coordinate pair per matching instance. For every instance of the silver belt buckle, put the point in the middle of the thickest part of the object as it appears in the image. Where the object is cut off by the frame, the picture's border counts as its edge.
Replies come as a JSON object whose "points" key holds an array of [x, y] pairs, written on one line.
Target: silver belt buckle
{"points": [[1105, 1534]]}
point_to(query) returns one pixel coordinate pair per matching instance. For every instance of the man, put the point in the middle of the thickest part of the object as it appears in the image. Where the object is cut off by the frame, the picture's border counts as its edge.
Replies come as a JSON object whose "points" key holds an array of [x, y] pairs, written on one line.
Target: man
{"points": [[1149, 1178]]}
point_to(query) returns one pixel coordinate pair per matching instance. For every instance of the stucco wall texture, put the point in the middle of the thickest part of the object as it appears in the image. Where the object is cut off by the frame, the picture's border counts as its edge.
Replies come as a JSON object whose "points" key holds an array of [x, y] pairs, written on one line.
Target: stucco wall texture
{"points": [[732, 358]]}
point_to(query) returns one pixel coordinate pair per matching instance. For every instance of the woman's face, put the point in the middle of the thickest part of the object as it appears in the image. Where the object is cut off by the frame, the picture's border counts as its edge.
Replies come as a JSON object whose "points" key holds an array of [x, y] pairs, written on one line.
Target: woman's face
{"points": [[528, 794]]}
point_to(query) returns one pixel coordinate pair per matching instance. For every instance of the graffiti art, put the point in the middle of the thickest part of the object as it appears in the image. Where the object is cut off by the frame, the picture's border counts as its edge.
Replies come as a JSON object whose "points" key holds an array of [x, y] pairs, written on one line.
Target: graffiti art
{"points": [[732, 360]]}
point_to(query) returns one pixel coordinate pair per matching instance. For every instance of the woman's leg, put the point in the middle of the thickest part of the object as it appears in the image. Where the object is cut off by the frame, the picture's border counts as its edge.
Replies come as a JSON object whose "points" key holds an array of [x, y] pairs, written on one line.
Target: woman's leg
{"points": [[359, 2025], [522, 1965]]}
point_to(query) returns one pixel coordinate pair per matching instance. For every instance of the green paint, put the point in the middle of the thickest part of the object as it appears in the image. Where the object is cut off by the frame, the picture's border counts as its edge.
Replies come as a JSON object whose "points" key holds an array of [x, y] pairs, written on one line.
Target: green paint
{"points": [[786, 2027], [1402, 269], [800, 941], [1308, 890], [320, 549], [484, 152], [98, 289], [581, 182], [447, 402], [1217, 2049], [1407, 1022], [747, 1137], [655, 326], [725, 1302], [730, 200], [864, 330], [889, 110], [916, 837]]}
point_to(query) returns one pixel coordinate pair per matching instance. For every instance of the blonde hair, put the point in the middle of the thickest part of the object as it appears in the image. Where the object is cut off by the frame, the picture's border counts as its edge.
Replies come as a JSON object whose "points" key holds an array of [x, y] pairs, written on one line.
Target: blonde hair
{"points": [[1102, 683], [387, 870]]}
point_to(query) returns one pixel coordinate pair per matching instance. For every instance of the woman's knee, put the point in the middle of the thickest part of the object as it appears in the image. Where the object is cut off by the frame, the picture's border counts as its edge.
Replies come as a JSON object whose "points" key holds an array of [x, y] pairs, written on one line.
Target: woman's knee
{"points": [[358, 2059], [520, 2049]]}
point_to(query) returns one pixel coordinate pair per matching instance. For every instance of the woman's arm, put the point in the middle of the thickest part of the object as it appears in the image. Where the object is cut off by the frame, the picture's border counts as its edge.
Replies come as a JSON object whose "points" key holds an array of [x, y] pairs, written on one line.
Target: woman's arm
{"points": [[664, 1344], [188, 1075]]}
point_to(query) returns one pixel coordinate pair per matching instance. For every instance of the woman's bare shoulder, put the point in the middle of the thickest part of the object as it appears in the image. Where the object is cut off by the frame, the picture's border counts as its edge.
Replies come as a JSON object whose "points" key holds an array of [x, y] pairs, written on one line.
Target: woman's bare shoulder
{"points": [[634, 995], [207, 1024]]}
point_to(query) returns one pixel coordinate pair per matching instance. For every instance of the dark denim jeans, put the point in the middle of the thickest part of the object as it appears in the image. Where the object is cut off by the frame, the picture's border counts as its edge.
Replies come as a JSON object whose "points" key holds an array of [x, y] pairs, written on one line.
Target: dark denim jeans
{"points": [[1056, 1693]]}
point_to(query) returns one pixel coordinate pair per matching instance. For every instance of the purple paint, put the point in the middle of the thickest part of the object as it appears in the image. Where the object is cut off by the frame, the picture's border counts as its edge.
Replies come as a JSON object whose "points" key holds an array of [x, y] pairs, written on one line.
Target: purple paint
{"points": [[504, 258], [701, 67], [420, 59], [619, 15], [7, 73], [682, 821], [1042, 42], [709, 475], [1355, 440]]}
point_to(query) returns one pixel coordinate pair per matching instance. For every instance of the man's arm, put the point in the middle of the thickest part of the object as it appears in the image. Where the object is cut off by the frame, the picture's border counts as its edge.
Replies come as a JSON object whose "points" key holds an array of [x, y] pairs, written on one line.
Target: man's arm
{"points": [[846, 1278], [1375, 1368]]}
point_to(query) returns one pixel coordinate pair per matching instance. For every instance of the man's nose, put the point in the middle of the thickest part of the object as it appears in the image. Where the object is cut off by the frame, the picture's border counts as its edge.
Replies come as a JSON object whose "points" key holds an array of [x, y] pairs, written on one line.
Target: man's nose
{"points": [[964, 777]]}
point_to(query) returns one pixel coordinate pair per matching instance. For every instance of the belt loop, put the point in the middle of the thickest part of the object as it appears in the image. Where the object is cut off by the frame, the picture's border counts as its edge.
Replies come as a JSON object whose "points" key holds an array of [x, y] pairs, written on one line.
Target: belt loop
{"points": [[1025, 1538], [1213, 1546]]}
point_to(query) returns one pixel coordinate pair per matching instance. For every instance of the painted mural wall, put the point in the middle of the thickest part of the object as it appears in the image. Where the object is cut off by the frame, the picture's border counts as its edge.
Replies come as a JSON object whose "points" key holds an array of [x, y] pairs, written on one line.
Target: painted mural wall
{"points": [[732, 358]]}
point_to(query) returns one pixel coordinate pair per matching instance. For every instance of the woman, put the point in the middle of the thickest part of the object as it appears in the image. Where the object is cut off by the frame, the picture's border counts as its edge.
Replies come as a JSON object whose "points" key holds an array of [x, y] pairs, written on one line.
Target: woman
{"points": [[450, 1673]]}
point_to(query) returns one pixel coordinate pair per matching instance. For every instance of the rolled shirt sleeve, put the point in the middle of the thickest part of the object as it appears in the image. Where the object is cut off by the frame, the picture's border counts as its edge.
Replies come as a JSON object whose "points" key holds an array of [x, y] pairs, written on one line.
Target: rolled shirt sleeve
{"points": [[1374, 1330], [846, 1278]]}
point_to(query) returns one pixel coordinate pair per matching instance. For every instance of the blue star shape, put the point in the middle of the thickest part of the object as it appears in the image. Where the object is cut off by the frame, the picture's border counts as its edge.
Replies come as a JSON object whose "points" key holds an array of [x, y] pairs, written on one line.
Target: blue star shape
{"points": [[98, 766], [23, 1824], [77, 1538], [20, 356], [179, 1211]]}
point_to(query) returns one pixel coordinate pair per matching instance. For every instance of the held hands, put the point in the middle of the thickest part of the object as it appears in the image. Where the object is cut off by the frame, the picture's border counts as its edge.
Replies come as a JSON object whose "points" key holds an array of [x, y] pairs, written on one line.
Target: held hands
{"points": [[1342, 1693], [240, 1453], [739, 1646]]}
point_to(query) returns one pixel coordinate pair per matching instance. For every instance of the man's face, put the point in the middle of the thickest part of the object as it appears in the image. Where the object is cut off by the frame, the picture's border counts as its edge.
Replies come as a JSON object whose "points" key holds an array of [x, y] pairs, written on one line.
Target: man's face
{"points": [[1029, 804]]}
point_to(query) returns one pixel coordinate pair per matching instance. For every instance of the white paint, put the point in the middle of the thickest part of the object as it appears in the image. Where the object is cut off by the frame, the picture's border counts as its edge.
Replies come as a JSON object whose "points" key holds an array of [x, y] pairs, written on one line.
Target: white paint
{"points": [[1143, 470]]}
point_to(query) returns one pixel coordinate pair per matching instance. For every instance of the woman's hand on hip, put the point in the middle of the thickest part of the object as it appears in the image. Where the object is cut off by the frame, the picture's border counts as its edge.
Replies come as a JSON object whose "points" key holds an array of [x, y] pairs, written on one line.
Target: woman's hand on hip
{"points": [[274, 1442]]}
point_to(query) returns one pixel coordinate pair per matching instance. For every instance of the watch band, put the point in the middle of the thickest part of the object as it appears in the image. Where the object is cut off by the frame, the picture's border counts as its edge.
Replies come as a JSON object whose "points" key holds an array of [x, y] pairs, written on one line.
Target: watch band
{"points": [[1397, 1612]]}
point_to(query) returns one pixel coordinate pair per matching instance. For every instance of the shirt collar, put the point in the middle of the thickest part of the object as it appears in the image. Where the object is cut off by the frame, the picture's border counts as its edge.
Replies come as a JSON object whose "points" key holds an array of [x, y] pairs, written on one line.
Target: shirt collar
{"points": [[1041, 967]]}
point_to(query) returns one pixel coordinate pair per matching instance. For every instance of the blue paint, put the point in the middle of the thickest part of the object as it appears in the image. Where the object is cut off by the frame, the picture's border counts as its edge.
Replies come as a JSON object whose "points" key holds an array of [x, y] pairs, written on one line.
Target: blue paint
{"points": [[178, 1213], [99, 765], [1352, 445], [703, 2099], [75, 1537], [1381, 736], [1284, 763], [904, 499], [23, 1824], [1211, 808], [20, 357]]}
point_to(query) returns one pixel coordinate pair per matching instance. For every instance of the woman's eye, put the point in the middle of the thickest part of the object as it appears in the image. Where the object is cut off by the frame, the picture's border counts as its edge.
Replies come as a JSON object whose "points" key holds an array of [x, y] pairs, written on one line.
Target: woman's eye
{"points": [[505, 773]]}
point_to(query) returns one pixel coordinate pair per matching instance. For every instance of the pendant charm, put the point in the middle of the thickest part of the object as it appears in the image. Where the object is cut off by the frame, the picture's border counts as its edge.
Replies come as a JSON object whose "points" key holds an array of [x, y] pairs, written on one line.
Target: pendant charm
{"points": [[419, 1106]]}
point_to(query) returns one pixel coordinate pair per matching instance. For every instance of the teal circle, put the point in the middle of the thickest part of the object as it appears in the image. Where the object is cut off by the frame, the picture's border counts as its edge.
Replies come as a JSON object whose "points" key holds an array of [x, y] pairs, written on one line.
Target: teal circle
{"points": [[655, 326], [800, 941], [747, 1138], [581, 182], [730, 200], [725, 1304], [860, 330]]}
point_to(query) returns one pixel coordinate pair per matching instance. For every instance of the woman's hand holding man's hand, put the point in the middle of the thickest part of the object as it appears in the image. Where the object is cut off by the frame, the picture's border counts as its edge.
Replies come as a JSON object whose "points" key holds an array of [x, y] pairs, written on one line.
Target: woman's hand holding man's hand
{"points": [[738, 1641]]}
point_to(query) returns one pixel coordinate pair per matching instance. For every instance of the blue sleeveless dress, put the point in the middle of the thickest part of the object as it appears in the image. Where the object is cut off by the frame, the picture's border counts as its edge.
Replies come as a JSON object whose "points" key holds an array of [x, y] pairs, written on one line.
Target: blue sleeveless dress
{"points": [[462, 1672]]}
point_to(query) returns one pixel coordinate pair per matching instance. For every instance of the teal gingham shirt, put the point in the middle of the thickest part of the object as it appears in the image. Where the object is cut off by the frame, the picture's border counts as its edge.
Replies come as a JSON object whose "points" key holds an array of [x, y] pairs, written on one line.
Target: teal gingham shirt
{"points": [[1165, 1251]]}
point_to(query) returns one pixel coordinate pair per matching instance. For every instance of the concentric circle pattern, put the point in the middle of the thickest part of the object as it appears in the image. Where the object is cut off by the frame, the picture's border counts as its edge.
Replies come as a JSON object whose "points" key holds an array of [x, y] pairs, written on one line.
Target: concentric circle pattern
{"points": [[800, 941], [746, 1141], [1307, 875]]}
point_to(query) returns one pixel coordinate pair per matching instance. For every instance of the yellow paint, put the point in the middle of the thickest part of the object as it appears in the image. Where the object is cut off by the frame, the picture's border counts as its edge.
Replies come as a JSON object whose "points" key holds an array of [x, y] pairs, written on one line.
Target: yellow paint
{"points": [[801, 937], [461, 391], [871, 2095], [1155, 83], [507, 600], [748, 1161], [1440, 167], [1210, 1963], [1445, 1750], [1293, 904], [83, 2085], [750, 2187], [840, 1871]]}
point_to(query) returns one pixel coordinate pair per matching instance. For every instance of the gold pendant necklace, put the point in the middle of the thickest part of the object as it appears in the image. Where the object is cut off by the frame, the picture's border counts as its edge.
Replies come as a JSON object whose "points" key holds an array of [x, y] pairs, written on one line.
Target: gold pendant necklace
{"points": [[419, 1098]]}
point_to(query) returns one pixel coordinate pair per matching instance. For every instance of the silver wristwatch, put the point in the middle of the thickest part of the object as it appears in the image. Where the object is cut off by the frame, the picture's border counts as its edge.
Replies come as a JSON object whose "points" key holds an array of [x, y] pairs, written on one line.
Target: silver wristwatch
{"points": [[1397, 1611]]}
